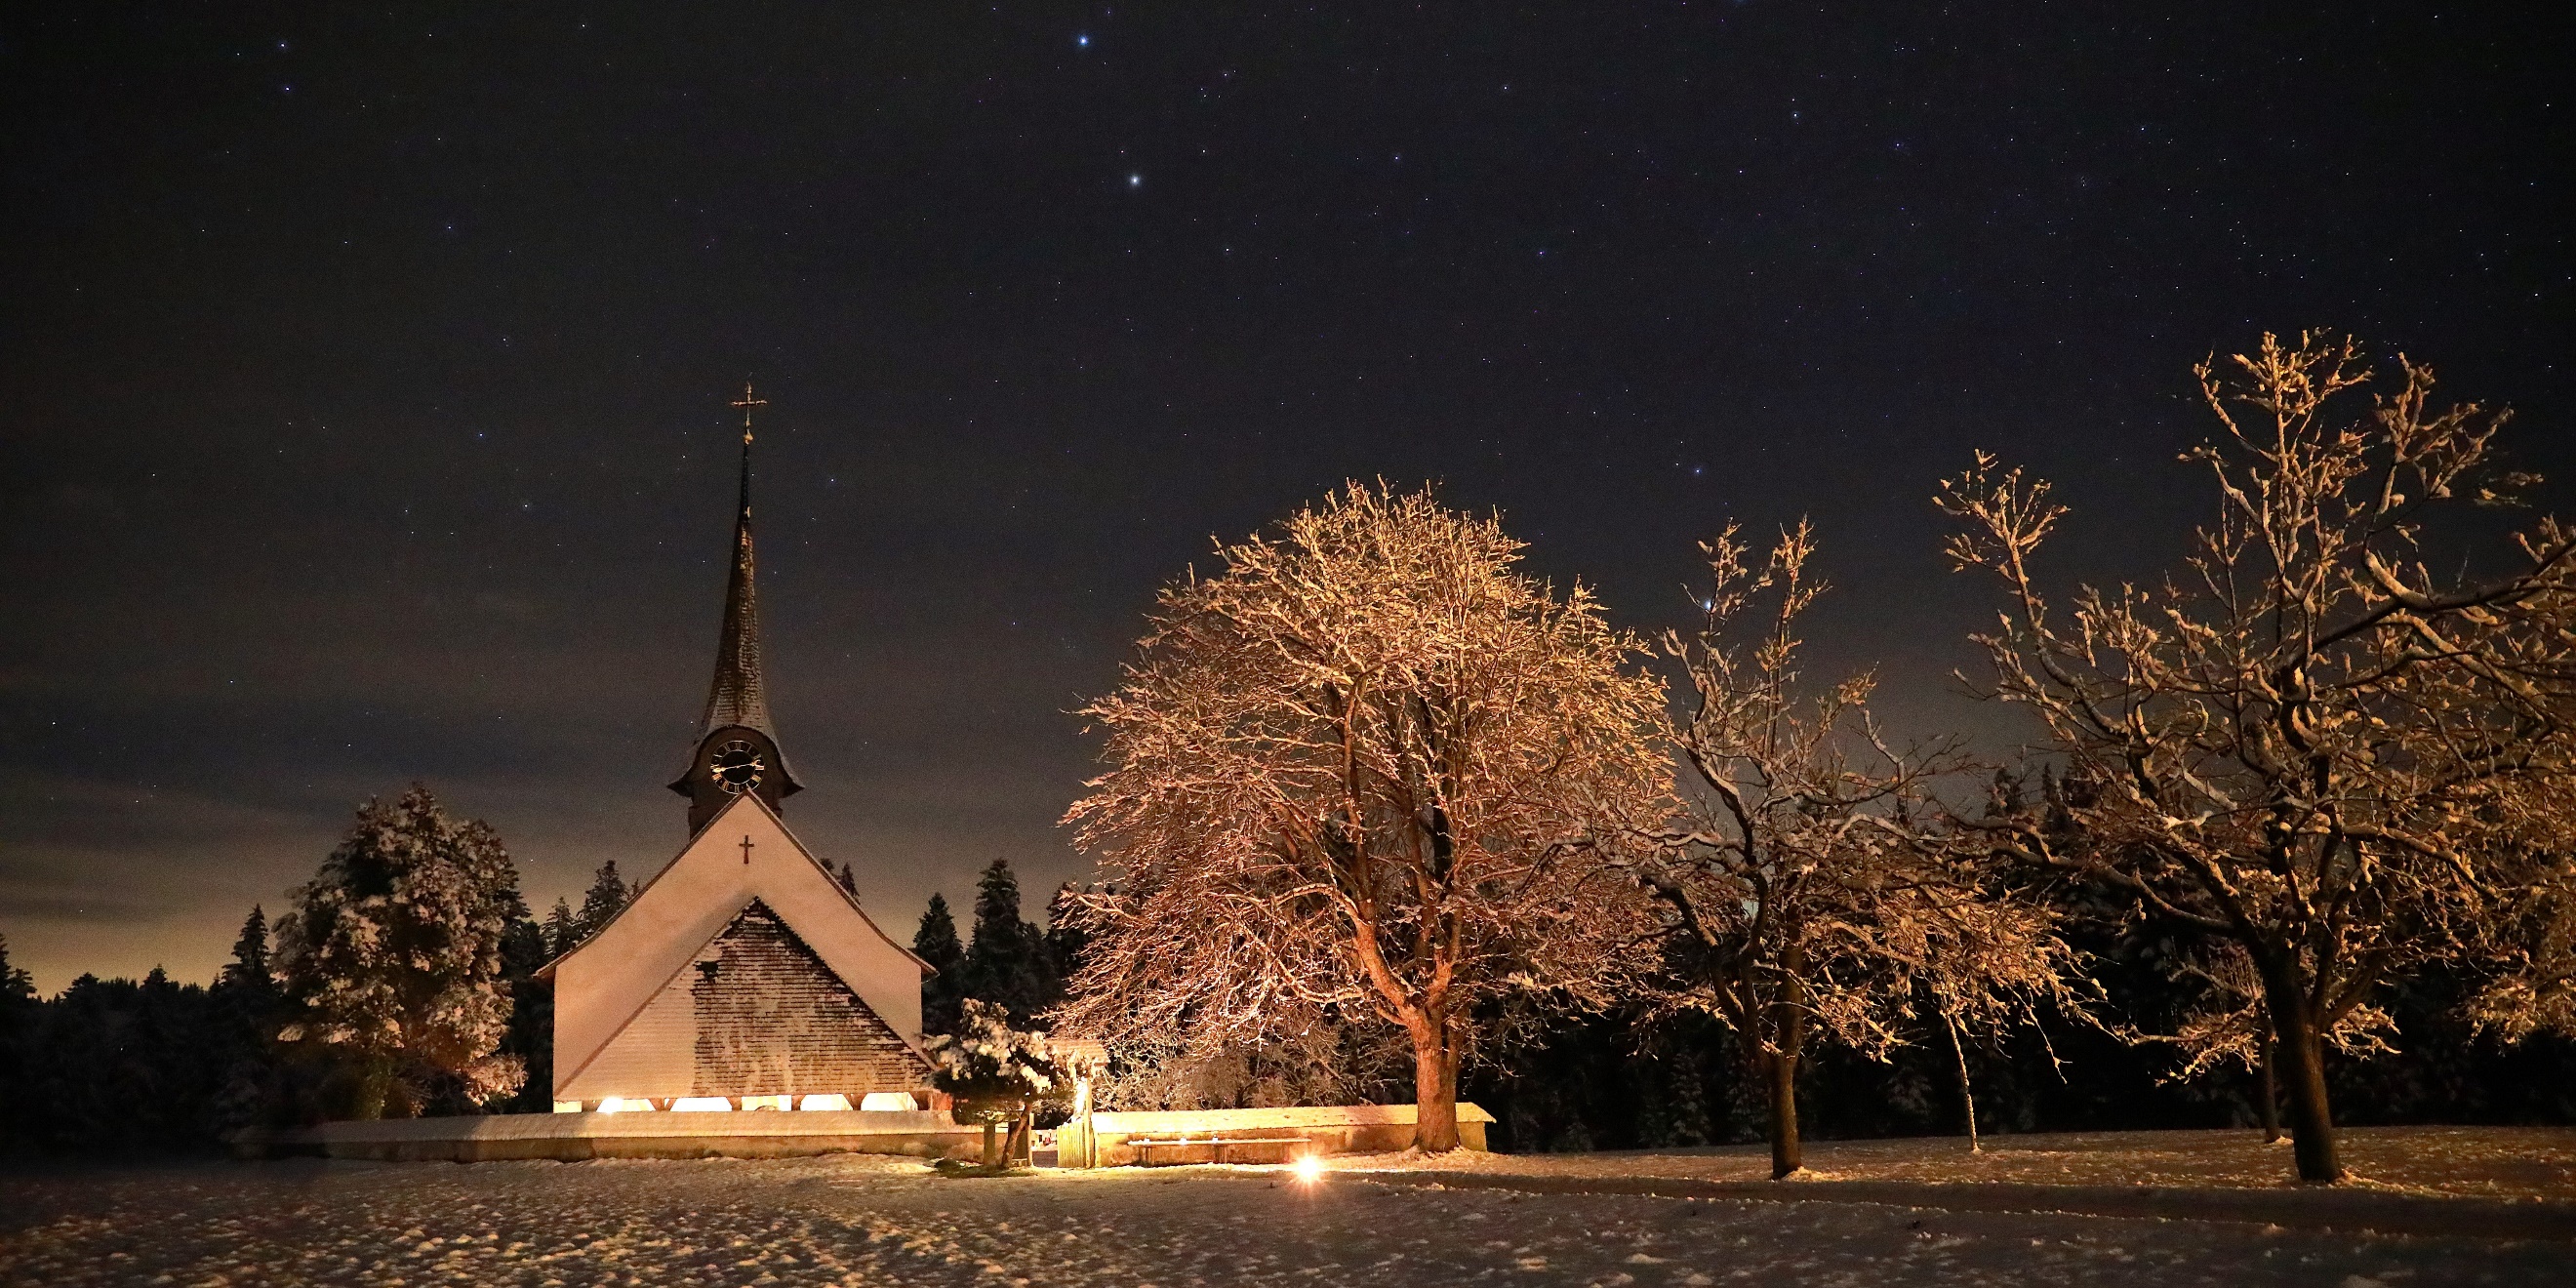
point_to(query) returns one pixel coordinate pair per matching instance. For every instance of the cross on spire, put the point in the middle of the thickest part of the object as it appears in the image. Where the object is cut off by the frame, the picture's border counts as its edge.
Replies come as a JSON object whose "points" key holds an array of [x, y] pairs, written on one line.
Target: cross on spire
{"points": [[747, 402]]}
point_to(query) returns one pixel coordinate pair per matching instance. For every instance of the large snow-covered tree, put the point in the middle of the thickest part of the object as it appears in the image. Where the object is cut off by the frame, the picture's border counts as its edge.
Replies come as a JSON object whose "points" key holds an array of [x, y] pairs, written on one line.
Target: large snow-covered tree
{"points": [[391, 955], [2337, 735], [1811, 892], [1368, 768]]}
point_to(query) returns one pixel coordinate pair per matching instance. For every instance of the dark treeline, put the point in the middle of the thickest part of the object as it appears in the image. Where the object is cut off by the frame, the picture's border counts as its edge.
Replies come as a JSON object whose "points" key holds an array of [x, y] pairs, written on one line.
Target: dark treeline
{"points": [[1007, 961], [119, 1067], [131, 1067], [1628, 1081]]}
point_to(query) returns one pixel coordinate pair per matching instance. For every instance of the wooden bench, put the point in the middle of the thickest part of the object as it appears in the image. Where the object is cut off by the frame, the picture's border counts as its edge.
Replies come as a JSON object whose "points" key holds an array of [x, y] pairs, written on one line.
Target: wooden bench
{"points": [[1215, 1145]]}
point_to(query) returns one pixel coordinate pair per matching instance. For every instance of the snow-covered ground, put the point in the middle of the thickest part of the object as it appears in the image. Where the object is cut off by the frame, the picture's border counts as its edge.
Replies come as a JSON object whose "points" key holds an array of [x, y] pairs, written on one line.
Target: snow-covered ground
{"points": [[2482, 1162], [862, 1220]]}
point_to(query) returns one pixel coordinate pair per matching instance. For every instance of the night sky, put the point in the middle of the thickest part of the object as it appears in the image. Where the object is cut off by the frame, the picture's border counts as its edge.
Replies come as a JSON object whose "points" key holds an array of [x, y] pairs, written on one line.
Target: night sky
{"points": [[363, 376]]}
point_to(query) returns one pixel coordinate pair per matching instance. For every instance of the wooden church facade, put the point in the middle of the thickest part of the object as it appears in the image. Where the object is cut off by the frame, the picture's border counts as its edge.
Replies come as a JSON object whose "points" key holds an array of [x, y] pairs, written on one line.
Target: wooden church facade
{"points": [[741, 975]]}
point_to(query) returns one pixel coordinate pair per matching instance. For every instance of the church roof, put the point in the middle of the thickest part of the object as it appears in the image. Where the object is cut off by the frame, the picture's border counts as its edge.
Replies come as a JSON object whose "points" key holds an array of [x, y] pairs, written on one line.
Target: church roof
{"points": [[738, 697], [845, 895]]}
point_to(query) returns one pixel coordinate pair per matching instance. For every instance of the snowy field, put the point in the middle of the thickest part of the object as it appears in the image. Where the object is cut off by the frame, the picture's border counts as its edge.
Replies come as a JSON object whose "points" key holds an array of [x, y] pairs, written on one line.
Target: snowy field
{"points": [[861, 1220], [2466, 1162]]}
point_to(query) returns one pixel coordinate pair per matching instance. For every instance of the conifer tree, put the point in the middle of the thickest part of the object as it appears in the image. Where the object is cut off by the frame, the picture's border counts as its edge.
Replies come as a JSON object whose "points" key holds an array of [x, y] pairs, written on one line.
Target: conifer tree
{"points": [[1006, 964], [246, 1005], [248, 970], [18, 1016], [606, 897], [936, 943], [563, 930], [1065, 941], [849, 880], [530, 1037], [17, 987]]}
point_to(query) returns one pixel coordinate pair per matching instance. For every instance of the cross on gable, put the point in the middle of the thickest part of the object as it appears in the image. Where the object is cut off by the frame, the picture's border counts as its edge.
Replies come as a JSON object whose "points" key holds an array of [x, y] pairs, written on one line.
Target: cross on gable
{"points": [[746, 849]]}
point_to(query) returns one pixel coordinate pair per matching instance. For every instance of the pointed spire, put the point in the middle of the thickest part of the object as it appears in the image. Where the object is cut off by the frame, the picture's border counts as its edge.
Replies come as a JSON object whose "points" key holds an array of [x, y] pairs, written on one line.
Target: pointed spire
{"points": [[738, 697]]}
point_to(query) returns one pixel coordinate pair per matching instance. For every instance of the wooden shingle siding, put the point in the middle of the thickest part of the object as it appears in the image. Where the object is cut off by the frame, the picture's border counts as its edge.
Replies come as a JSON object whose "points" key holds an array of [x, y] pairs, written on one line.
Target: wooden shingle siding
{"points": [[772, 1019]]}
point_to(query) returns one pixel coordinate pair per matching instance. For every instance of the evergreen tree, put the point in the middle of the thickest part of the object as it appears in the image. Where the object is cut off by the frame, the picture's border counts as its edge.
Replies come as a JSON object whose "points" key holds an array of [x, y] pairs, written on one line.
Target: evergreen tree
{"points": [[248, 970], [19, 1011], [392, 959], [530, 1037], [605, 898], [18, 988], [1065, 942], [849, 880], [936, 943], [117, 1067], [1006, 964], [247, 1006], [563, 929]]}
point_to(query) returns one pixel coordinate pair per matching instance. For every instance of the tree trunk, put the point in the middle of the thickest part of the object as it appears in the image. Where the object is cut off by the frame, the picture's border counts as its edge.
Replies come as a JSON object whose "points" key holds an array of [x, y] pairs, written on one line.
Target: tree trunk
{"points": [[1785, 1154], [374, 1089], [1435, 1088], [1967, 1090], [1788, 1032], [992, 1153], [2302, 1056], [2269, 1088]]}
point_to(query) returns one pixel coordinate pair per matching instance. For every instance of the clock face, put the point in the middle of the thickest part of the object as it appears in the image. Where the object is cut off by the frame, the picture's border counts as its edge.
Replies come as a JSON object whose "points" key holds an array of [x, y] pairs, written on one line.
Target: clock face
{"points": [[735, 766]]}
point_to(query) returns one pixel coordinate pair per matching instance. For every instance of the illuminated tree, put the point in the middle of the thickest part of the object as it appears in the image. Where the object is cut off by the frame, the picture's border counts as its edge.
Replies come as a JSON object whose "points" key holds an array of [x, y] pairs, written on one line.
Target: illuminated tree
{"points": [[1370, 768], [2335, 737], [1809, 894], [998, 1074], [391, 955]]}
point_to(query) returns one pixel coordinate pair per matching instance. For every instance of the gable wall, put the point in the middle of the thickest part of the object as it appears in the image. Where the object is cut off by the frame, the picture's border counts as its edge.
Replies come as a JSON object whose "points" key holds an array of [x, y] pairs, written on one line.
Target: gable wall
{"points": [[753, 1013], [612, 978]]}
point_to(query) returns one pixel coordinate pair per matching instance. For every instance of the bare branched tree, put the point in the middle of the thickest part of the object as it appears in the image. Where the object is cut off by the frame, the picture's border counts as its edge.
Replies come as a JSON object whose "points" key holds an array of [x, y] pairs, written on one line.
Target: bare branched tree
{"points": [[2227, 1024], [1812, 891], [2312, 740], [1370, 769]]}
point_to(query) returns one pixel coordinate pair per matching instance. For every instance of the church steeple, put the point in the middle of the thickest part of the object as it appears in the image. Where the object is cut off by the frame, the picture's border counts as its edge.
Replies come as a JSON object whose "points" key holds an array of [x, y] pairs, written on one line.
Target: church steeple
{"points": [[737, 745]]}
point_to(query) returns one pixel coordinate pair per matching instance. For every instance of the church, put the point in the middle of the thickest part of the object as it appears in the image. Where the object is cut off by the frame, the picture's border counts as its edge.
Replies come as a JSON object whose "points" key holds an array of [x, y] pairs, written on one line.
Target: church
{"points": [[741, 975]]}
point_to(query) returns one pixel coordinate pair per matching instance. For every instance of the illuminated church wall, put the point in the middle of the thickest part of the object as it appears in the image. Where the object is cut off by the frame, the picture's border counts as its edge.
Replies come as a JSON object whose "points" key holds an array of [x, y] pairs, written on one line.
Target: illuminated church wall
{"points": [[633, 1004]]}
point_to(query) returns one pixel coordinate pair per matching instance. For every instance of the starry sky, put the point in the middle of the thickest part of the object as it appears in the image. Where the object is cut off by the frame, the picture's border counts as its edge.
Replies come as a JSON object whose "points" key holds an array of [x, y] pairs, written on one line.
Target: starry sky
{"points": [[364, 375]]}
